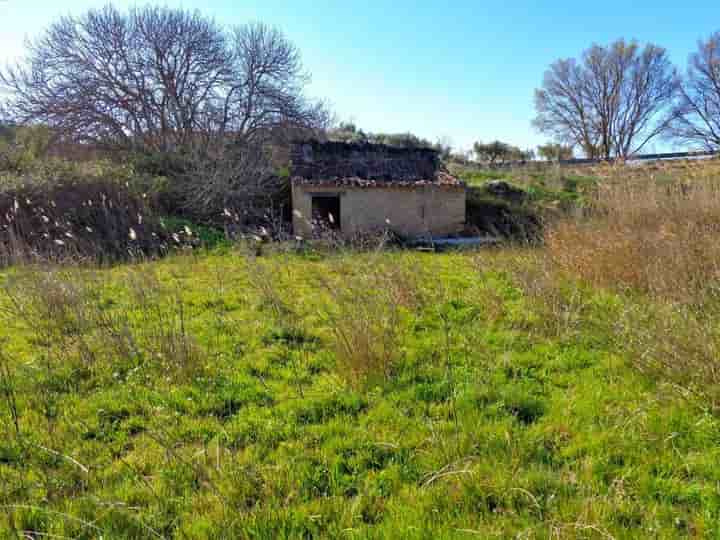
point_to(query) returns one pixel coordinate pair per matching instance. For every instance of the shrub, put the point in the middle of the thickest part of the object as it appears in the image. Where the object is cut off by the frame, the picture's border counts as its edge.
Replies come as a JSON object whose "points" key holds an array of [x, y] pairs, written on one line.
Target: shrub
{"points": [[21, 147], [203, 235]]}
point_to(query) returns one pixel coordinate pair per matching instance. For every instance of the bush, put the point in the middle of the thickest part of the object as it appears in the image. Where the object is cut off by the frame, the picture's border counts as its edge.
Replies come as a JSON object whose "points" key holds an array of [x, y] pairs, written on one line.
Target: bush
{"points": [[195, 234], [236, 186]]}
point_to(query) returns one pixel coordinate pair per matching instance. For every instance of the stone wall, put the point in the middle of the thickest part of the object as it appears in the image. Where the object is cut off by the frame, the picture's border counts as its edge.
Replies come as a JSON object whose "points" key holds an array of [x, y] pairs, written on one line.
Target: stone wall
{"points": [[427, 210], [316, 160]]}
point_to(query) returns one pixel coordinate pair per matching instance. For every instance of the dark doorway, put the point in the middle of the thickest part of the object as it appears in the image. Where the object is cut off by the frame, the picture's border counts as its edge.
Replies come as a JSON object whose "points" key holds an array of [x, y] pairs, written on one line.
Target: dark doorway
{"points": [[326, 210]]}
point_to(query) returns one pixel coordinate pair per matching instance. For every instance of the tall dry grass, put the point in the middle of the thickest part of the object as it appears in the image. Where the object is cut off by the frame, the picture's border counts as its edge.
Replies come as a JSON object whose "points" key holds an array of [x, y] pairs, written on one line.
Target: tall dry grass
{"points": [[78, 219], [652, 236], [365, 316]]}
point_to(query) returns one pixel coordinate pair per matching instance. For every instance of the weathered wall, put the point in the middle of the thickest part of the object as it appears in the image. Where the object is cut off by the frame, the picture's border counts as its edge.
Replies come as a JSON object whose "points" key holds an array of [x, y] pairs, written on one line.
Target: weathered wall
{"points": [[314, 160], [412, 212]]}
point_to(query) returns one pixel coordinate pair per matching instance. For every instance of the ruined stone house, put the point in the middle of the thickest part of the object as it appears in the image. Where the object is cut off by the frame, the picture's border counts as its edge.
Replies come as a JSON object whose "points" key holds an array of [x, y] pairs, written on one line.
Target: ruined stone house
{"points": [[360, 187]]}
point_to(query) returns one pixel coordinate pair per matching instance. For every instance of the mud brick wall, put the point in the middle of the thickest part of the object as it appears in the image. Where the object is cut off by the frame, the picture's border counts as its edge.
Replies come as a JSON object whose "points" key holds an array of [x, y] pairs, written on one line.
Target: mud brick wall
{"points": [[427, 210]]}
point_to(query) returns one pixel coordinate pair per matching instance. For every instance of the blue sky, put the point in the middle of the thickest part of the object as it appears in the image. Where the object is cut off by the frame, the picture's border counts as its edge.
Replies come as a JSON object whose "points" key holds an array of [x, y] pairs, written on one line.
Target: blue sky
{"points": [[463, 69]]}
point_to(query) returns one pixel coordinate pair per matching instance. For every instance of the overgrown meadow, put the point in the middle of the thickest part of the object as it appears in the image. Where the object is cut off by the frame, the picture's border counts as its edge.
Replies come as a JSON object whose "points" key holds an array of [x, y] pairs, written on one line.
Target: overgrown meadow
{"points": [[567, 390]]}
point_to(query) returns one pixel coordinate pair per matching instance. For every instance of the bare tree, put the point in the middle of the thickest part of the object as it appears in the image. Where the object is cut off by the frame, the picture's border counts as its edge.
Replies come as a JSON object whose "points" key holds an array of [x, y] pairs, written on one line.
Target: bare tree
{"points": [[610, 103], [695, 118], [263, 105], [267, 86], [144, 79], [174, 83], [158, 78]]}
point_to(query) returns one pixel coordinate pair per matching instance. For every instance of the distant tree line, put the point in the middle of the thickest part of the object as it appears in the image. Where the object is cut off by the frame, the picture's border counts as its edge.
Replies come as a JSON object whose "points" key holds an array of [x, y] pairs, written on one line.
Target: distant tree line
{"points": [[498, 152], [555, 151]]}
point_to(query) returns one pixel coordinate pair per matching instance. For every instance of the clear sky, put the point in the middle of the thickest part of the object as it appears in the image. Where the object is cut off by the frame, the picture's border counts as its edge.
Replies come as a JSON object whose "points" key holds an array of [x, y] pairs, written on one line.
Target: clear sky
{"points": [[460, 69]]}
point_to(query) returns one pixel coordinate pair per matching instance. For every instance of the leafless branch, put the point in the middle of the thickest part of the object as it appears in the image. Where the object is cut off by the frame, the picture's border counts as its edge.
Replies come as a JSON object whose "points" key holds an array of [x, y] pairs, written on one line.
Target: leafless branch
{"points": [[695, 119]]}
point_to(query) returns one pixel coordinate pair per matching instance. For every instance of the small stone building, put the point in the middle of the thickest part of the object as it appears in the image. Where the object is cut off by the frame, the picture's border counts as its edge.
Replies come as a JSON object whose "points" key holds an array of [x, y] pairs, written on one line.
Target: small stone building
{"points": [[360, 187]]}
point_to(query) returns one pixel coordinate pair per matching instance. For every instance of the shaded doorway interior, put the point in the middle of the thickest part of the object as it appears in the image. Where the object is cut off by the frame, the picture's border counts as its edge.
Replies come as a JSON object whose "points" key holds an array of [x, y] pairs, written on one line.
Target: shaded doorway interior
{"points": [[326, 210]]}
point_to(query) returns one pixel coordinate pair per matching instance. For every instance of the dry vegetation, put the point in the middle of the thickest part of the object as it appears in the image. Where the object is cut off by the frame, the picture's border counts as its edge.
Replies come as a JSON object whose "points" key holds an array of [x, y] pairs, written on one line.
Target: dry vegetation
{"points": [[650, 235]]}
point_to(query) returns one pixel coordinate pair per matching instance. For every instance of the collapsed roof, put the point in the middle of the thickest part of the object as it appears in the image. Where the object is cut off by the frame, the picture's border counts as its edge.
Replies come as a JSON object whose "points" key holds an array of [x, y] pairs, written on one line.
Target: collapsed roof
{"points": [[365, 165]]}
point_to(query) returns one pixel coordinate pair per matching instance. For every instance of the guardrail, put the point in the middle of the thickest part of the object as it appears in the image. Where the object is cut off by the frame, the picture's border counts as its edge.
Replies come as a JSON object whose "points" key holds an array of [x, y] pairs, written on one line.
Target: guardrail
{"points": [[643, 157], [585, 161]]}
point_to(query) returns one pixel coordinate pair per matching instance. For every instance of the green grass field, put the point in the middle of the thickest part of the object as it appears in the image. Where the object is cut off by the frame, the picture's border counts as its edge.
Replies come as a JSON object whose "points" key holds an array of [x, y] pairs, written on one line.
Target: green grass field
{"points": [[358, 395]]}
